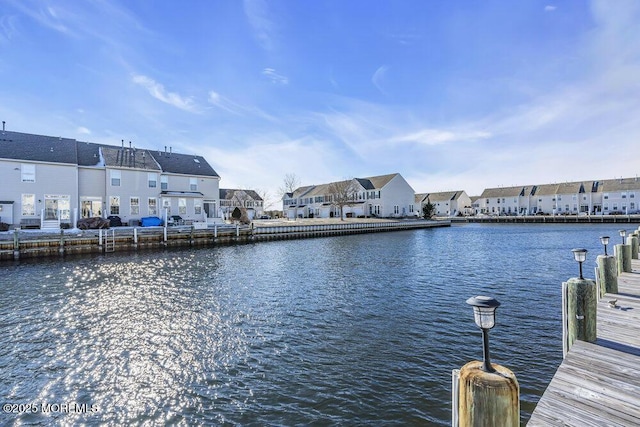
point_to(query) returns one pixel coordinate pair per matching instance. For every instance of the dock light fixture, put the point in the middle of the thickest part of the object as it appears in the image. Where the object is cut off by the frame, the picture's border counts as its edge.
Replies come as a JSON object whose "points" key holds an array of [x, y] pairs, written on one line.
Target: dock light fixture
{"points": [[580, 255], [605, 241], [484, 313], [622, 234]]}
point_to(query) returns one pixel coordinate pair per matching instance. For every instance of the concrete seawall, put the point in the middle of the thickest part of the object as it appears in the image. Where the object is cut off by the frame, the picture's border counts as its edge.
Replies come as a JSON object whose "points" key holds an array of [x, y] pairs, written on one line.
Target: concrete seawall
{"points": [[20, 244]]}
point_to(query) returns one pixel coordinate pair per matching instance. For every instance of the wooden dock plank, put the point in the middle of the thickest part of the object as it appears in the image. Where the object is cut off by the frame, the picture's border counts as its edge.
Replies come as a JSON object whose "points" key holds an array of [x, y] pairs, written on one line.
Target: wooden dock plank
{"points": [[598, 384]]}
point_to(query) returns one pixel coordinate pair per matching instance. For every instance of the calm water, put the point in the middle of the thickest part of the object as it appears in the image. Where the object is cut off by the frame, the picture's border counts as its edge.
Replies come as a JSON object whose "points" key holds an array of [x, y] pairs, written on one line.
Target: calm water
{"points": [[348, 330]]}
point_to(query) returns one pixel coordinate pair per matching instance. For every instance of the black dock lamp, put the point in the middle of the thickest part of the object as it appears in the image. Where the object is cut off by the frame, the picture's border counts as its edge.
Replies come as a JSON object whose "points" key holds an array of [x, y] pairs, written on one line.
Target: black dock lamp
{"points": [[605, 241], [622, 234], [580, 255], [484, 313]]}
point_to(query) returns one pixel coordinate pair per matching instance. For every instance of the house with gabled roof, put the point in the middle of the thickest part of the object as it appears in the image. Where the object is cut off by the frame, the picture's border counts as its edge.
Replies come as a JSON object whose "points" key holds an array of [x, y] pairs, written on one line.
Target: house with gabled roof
{"points": [[249, 200], [62, 180], [506, 200], [388, 196], [620, 196], [446, 203]]}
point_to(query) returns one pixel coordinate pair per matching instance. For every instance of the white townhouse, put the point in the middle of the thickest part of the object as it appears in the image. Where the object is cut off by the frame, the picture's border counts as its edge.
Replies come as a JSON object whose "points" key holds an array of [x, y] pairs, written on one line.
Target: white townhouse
{"points": [[620, 196], [446, 203], [388, 196], [230, 199], [65, 179], [605, 197], [505, 201]]}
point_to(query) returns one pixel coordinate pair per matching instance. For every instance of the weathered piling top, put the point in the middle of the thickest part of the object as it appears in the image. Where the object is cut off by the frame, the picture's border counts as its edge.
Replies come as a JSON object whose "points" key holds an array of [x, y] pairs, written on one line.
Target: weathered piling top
{"points": [[598, 383]]}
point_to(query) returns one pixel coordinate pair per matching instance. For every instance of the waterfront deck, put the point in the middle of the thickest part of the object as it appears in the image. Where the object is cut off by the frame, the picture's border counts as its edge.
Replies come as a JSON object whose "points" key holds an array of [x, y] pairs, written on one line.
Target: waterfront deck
{"points": [[598, 383]]}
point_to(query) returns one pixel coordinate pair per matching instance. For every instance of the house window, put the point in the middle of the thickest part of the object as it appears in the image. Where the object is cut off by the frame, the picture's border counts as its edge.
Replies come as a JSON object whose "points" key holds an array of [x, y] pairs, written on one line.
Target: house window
{"points": [[615, 206], [134, 204], [115, 178], [166, 204], [193, 184], [606, 196], [197, 206], [632, 205], [182, 206], [114, 205], [164, 182], [624, 195], [632, 195], [28, 172], [153, 206], [152, 178], [396, 209], [411, 208], [606, 206], [28, 205]]}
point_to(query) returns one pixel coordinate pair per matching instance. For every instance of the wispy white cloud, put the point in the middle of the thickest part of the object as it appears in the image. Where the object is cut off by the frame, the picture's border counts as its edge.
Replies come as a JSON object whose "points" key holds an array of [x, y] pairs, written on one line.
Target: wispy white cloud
{"points": [[275, 78], [429, 137], [378, 76], [83, 131], [8, 29], [158, 91], [257, 12], [549, 8], [223, 103]]}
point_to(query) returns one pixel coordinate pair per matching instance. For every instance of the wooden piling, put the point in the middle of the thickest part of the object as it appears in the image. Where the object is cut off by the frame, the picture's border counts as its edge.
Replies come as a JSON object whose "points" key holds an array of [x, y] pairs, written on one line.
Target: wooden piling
{"points": [[607, 274], [16, 245], [623, 257], [579, 310], [488, 398], [633, 242]]}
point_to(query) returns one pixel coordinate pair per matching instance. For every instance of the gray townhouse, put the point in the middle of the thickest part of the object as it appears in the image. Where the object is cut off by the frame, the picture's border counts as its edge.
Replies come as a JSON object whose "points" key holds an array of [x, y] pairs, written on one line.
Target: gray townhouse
{"points": [[48, 181]]}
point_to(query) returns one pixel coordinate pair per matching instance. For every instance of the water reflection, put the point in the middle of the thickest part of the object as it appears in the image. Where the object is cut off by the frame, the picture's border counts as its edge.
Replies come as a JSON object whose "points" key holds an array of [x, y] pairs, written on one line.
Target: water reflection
{"points": [[348, 330]]}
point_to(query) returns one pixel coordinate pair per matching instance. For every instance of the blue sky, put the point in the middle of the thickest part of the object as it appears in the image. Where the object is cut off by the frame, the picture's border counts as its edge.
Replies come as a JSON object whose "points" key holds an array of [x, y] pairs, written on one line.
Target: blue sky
{"points": [[451, 94]]}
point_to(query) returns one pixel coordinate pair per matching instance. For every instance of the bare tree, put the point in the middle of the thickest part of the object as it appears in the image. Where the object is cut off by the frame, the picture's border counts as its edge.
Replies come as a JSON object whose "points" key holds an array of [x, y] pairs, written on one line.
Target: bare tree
{"points": [[343, 193], [267, 202], [289, 183]]}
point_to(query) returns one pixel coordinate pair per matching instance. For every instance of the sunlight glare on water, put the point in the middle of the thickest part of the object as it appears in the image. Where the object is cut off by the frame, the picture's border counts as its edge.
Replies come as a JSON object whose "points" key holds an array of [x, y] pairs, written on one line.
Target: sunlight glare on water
{"points": [[361, 329]]}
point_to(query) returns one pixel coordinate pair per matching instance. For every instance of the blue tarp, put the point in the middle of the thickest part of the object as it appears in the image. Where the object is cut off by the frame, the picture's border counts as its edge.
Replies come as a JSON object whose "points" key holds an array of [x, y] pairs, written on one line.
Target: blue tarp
{"points": [[150, 221]]}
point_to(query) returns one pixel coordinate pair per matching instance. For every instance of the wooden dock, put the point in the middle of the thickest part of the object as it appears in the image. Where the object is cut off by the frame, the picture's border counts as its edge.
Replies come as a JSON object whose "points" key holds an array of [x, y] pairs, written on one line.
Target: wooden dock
{"points": [[598, 384]]}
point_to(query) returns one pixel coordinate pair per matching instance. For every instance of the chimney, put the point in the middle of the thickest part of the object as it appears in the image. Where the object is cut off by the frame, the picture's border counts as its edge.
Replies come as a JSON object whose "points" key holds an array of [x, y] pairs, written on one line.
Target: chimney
{"points": [[122, 143], [170, 150], [3, 125]]}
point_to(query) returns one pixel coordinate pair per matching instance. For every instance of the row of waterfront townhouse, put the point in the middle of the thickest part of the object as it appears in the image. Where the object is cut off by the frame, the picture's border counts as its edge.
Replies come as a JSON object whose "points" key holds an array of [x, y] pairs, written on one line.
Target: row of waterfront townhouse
{"points": [[446, 203], [603, 197], [388, 196], [49, 181], [249, 200]]}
